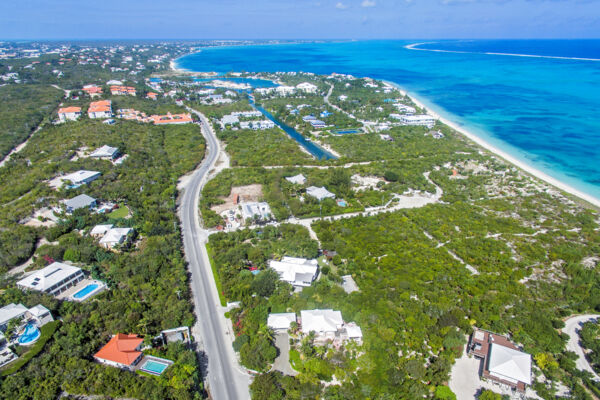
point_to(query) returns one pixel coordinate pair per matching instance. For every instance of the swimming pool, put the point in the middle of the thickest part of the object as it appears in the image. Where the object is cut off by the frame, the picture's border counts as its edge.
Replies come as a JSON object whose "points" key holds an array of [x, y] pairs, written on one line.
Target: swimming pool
{"points": [[30, 335], [87, 291], [346, 131], [154, 367]]}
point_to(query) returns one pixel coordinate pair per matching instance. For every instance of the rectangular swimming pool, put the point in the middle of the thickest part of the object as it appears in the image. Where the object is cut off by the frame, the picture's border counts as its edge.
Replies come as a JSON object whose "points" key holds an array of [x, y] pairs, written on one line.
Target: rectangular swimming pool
{"points": [[154, 367], [346, 131], [86, 291]]}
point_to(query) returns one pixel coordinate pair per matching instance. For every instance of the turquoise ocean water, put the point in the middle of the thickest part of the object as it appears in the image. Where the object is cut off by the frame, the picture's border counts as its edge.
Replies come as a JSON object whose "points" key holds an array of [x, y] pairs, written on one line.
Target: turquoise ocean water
{"points": [[542, 110]]}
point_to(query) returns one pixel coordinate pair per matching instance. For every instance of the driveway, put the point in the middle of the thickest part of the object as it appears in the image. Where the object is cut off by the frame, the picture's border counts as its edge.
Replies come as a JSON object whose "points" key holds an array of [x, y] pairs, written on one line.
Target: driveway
{"points": [[572, 327], [282, 362]]}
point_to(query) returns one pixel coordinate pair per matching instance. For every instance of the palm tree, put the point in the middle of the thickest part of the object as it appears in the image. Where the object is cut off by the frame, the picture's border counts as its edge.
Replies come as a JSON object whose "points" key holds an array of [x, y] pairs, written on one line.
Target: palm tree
{"points": [[265, 331]]}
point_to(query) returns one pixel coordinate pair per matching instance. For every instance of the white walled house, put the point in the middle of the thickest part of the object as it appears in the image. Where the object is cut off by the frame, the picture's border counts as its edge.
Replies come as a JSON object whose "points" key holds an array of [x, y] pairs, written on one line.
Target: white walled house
{"points": [[418, 120], [69, 114], [53, 279], [307, 87], [281, 321], [320, 193], [114, 237], [298, 272]]}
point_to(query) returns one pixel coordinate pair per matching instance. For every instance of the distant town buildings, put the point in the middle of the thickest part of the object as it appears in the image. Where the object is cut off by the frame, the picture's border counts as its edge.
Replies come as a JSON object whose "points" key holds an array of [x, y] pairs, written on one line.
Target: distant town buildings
{"points": [[117, 90], [257, 125], [307, 87], [92, 90], [172, 119]]}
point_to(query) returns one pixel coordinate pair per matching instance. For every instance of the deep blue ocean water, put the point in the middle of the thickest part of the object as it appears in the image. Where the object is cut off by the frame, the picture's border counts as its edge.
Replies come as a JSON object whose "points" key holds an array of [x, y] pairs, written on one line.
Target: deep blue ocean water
{"points": [[544, 111]]}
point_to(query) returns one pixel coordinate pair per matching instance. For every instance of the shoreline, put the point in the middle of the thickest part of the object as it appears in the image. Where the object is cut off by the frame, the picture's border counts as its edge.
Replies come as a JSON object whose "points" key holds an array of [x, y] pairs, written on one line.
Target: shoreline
{"points": [[536, 173]]}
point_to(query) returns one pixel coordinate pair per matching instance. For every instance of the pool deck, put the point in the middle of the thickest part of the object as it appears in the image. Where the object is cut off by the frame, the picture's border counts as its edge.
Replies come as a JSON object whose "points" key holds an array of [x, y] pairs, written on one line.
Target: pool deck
{"points": [[153, 358], [67, 294]]}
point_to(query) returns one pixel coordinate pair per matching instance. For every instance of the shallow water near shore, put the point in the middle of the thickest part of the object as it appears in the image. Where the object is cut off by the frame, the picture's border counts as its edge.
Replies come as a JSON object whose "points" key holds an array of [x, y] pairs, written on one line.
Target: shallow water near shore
{"points": [[541, 110]]}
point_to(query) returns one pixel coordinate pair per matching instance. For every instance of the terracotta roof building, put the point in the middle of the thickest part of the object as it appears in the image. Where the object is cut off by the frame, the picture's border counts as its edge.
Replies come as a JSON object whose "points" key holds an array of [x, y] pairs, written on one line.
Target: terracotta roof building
{"points": [[69, 113], [171, 119], [100, 109], [92, 90], [121, 351], [122, 90]]}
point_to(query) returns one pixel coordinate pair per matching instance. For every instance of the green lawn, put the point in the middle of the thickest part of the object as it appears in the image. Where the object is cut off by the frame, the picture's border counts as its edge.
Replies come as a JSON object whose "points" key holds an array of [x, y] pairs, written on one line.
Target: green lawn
{"points": [[120, 212]]}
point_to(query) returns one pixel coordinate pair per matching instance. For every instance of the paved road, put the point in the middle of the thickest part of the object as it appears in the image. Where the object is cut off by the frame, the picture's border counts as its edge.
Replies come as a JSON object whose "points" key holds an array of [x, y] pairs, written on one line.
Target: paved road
{"points": [[225, 380], [572, 327]]}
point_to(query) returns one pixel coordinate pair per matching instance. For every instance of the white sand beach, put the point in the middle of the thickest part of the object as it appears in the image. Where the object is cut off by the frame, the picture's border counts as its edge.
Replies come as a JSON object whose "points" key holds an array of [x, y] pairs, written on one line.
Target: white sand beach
{"points": [[502, 154], [481, 142]]}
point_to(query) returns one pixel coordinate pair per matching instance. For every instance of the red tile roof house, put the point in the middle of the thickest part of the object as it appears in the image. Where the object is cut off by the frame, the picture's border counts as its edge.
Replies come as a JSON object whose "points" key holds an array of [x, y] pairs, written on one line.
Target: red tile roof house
{"points": [[174, 119], [152, 95], [502, 361], [92, 90], [69, 113], [122, 351], [117, 90], [100, 109]]}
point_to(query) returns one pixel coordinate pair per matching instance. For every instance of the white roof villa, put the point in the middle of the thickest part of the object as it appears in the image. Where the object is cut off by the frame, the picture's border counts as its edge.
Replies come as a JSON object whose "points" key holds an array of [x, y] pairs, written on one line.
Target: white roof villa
{"points": [[329, 325], [105, 152], [295, 271], [81, 201], [114, 237], [509, 364], [53, 279], [100, 230], [9, 312], [307, 87], [319, 193], [501, 359], [281, 321], [229, 119], [297, 179], [261, 210], [81, 177], [404, 108], [12, 311], [285, 90], [418, 120], [321, 321]]}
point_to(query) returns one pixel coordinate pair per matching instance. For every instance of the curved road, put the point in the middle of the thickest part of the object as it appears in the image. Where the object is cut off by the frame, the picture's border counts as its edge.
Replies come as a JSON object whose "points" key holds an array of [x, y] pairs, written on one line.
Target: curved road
{"points": [[225, 379], [572, 327]]}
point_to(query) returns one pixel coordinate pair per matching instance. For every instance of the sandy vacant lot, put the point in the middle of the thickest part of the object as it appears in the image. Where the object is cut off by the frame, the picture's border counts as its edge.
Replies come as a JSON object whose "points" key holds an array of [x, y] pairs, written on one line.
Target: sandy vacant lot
{"points": [[246, 193]]}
